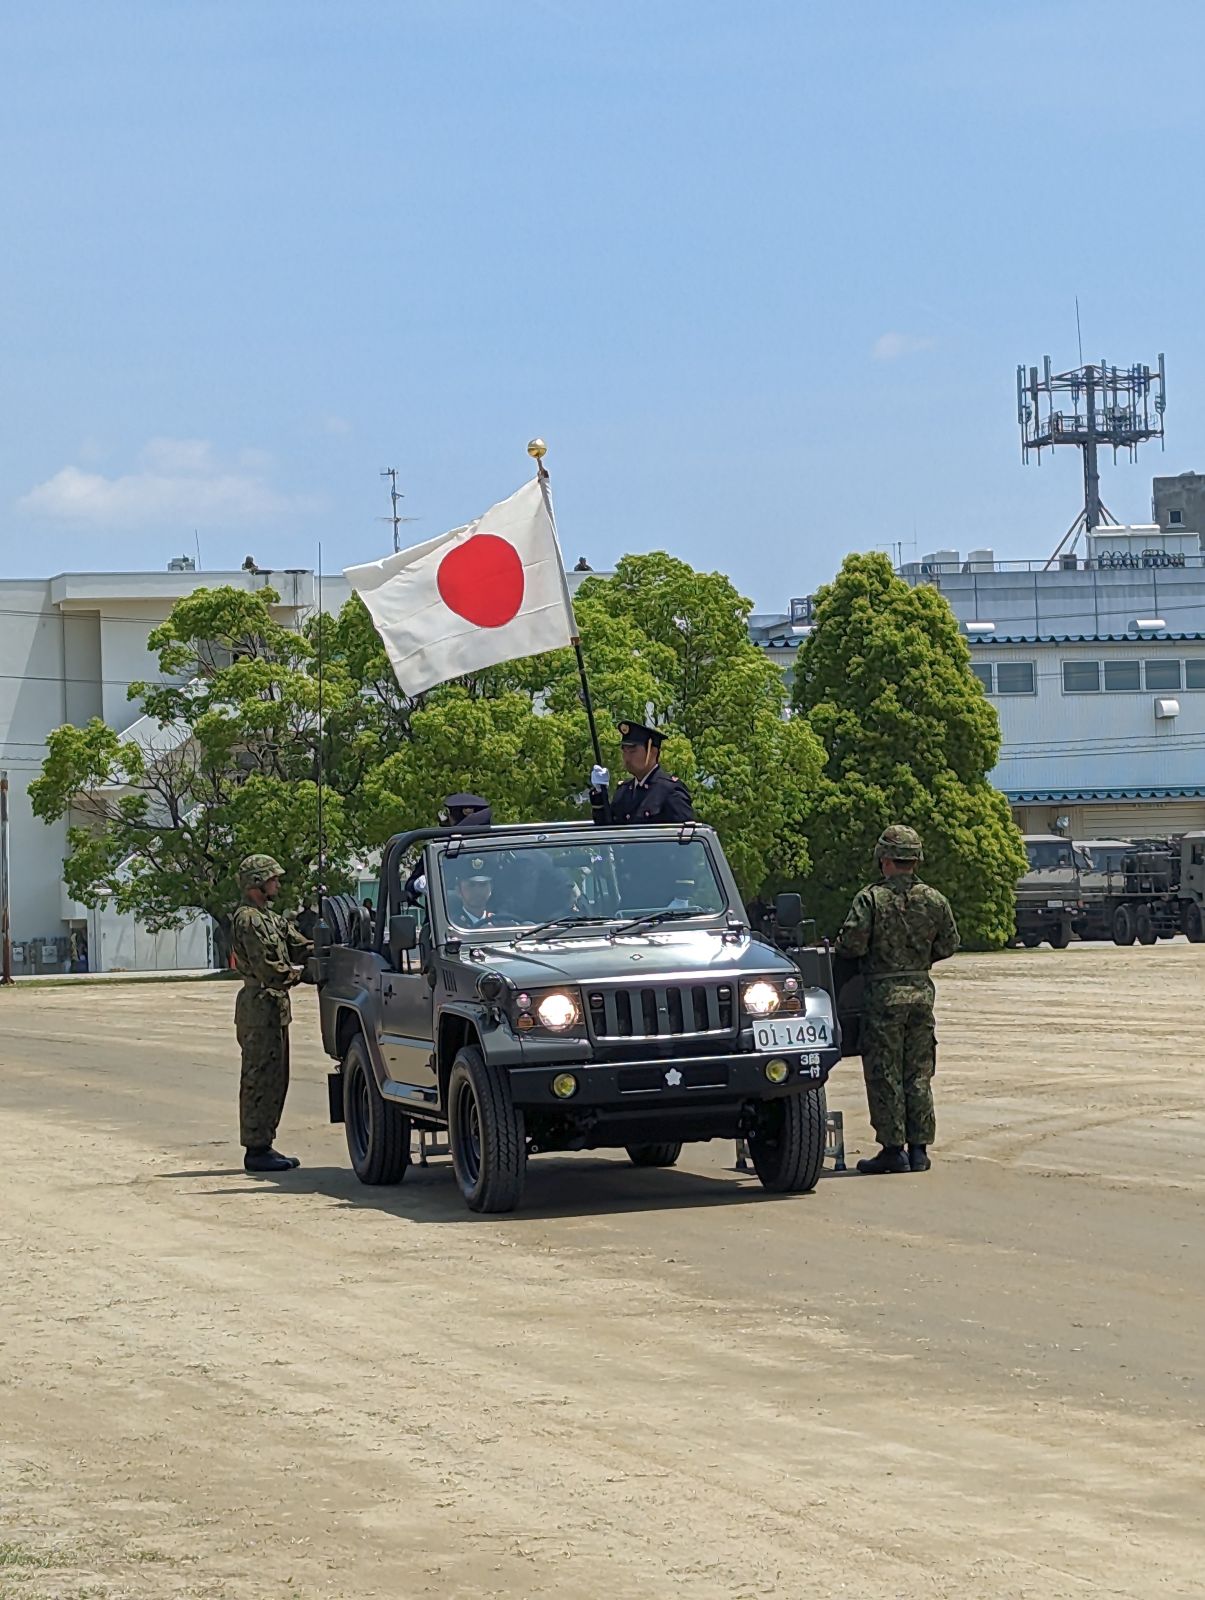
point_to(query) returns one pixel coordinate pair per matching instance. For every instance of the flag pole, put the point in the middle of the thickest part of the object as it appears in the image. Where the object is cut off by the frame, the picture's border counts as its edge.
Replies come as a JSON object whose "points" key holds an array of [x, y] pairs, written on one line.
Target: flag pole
{"points": [[537, 450]]}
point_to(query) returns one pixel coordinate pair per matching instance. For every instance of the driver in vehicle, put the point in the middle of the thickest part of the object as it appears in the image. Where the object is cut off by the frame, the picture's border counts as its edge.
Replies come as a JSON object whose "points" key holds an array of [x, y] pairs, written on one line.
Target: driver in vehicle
{"points": [[471, 893]]}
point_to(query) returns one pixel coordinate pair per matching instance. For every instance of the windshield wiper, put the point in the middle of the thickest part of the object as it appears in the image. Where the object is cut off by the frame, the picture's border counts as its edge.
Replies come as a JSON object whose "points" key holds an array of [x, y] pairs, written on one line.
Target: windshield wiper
{"points": [[671, 914], [570, 921]]}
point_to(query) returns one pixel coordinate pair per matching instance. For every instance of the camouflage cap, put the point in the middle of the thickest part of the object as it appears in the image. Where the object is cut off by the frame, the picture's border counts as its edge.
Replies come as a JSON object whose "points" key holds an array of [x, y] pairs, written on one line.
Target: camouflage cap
{"points": [[898, 843], [254, 871]]}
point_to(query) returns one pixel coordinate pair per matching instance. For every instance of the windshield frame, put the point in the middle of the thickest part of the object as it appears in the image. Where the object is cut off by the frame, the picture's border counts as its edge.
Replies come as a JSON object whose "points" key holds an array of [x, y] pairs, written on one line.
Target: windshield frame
{"points": [[445, 927]]}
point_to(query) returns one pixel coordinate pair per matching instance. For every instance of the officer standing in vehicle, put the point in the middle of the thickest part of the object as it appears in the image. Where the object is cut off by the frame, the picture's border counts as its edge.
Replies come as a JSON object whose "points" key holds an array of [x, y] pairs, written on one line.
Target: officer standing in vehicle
{"points": [[899, 927], [457, 811], [649, 795], [266, 947]]}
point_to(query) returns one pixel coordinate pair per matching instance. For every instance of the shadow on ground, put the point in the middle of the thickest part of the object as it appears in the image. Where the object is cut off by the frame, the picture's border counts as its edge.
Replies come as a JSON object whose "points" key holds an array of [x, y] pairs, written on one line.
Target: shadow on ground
{"points": [[564, 1187]]}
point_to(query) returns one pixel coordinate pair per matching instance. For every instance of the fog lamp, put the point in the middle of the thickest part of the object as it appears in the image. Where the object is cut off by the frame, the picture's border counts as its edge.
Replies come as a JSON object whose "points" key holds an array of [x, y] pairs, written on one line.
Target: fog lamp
{"points": [[564, 1085], [778, 1071]]}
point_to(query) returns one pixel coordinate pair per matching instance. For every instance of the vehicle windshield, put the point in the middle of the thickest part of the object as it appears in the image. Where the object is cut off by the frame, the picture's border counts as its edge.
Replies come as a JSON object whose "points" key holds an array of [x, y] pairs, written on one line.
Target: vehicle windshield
{"points": [[525, 887]]}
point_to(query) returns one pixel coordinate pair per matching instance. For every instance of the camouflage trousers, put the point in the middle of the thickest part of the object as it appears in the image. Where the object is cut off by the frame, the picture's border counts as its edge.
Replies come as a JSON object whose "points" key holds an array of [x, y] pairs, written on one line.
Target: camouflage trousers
{"points": [[264, 1082], [899, 1058]]}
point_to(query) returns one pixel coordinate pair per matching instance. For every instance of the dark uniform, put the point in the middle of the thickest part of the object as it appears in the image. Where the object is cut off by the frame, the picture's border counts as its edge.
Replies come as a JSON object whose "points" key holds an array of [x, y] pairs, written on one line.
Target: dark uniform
{"points": [[899, 927], [657, 797], [458, 811], [266, 948]]}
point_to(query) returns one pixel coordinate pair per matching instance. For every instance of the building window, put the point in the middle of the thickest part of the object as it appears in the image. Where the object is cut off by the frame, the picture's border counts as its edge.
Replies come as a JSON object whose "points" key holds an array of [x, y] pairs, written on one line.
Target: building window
{"points": [[1194, 674], [1175, 519], [1121, 676], [984, 674], [1162, 675], [1081, 677], [1015, 677]]}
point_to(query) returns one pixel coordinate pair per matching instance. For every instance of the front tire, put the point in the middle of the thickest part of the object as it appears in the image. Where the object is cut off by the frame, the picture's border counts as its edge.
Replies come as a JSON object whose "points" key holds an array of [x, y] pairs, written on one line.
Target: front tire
{"points": [[486, 1133], [654, 1155], [1123, 925], [1060, 936], [1194, 923], [378, 1134], [787, 1146]]}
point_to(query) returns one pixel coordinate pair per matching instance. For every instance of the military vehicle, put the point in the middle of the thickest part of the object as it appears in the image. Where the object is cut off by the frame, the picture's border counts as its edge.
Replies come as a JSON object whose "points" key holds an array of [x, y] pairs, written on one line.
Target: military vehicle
{"points": [[1049, 896], [1119, 889], [552, 987], [1142, 889]]}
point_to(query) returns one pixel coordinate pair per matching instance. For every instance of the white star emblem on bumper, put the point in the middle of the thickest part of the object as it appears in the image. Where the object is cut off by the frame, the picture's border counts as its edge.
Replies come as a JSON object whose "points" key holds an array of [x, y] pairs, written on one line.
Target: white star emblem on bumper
{"points": [[673, 1077]]}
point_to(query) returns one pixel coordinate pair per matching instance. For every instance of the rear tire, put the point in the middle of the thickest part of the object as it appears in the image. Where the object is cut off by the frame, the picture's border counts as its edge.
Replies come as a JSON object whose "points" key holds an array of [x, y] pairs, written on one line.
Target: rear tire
{"points": [[654, 1155], [378, 1134], [1060, 936], [1123, 925], [1144, 926], [486, 1133], [1030, 941], [788, 1144]]}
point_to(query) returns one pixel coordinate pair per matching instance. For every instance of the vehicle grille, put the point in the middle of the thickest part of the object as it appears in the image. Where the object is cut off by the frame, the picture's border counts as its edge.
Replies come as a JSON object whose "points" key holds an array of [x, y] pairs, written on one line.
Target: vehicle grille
{"points": [[662, 1011]]}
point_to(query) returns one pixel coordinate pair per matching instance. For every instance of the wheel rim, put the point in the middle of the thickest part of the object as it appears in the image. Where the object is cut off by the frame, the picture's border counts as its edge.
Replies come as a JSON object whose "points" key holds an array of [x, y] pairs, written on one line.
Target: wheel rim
{"points": [[357, 1122], [468, 1133]]}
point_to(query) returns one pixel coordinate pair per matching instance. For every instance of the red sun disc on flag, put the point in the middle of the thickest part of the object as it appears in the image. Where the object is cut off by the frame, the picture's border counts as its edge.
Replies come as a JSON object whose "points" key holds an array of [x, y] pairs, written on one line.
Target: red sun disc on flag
{"points": [[482, 580]]}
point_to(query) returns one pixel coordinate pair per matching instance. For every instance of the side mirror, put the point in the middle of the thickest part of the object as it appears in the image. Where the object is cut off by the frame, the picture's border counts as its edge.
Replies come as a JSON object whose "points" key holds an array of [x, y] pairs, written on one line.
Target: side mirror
{"points": [[788, 910], [403, 936]]}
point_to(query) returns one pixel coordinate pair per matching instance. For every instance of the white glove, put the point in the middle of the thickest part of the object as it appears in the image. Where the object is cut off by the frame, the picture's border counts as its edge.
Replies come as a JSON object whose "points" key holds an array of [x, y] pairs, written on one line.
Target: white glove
{"points": [[599, 777], [420, 883]]}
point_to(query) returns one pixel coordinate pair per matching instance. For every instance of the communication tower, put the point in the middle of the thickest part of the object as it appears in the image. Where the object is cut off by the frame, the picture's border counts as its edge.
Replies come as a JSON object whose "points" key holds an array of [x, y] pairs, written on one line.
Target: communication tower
{"points": [[1118, 408]]}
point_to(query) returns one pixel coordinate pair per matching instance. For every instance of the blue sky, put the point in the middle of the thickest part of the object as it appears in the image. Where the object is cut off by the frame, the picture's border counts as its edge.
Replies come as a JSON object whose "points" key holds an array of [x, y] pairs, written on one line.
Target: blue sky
{"points": [[761, 274]]}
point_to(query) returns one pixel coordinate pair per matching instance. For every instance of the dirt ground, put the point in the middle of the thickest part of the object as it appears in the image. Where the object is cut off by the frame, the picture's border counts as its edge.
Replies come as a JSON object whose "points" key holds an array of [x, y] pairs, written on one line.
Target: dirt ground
{"points": [[987, 1381]]}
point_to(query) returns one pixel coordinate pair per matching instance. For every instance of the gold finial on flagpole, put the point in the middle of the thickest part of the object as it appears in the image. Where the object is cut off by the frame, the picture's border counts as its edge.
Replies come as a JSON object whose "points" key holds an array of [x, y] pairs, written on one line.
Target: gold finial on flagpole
{"points": [[537, 449]]}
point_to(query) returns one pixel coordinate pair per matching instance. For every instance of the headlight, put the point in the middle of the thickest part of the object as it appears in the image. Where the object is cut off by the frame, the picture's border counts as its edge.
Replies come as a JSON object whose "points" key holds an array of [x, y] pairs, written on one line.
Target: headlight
{"points": [[557, 1011], [761, 999]]}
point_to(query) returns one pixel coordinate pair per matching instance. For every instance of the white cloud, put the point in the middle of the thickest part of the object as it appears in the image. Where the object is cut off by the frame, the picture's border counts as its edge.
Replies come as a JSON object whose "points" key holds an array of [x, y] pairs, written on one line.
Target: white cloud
{"points": [[175, 480], [891, 346], [336, 425]]}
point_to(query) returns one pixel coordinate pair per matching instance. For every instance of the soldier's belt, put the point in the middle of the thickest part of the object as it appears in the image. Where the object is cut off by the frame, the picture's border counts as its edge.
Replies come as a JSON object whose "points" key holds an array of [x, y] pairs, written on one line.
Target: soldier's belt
{"points": [[919, 972]]}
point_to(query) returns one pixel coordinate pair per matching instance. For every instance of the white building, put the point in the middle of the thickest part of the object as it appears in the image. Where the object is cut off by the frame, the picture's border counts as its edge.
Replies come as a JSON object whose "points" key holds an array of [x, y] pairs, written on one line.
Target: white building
{"points": [[1106, 731], [1096, 665], [69, 649]]}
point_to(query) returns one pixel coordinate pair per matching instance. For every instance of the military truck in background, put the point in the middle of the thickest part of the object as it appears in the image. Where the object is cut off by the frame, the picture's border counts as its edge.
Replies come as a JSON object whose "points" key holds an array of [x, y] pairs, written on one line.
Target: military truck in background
{"points": [[1125, 890], [1050, 895]]}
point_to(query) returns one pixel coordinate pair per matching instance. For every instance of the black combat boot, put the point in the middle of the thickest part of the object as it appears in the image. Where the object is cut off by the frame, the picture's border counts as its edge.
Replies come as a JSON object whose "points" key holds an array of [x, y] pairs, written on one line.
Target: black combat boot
{"points": [[891, 1158], [918, 1157], [264, 1159]]}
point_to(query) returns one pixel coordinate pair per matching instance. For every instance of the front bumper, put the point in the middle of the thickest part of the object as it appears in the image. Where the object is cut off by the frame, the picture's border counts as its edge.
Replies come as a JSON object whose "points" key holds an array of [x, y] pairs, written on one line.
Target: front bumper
{"points": [[662, 1085]]}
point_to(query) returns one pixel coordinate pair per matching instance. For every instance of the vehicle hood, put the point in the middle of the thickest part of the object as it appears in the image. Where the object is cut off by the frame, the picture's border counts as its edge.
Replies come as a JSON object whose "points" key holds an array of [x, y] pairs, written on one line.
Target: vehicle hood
{"points": [[632, 958]]}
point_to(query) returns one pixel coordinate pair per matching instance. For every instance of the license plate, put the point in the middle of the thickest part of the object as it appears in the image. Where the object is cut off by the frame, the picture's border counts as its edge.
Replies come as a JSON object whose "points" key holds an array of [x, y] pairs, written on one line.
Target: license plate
{"points": [[800, 1033]]}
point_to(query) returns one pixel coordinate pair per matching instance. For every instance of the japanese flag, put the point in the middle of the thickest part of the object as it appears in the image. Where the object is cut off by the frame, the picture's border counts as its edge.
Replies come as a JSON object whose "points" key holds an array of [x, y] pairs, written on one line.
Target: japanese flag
{"points": [[491, 591]]}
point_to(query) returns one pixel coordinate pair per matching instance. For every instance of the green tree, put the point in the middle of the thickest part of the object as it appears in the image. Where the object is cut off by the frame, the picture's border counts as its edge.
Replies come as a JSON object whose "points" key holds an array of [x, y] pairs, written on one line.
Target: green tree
{"points": [[227, 756], [224, 762], [884, 680], [659, 639]]}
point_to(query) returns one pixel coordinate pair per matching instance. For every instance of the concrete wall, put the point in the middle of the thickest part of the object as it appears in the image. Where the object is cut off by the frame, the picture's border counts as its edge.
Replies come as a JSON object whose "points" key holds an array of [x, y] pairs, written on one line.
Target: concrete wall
{"points": [[1185, 494]]}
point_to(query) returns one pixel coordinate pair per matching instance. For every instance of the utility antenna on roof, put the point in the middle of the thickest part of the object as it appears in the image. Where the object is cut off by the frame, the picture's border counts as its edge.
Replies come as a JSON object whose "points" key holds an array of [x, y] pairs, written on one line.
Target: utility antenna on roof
{"points": [[1122, 407], [395, 500]]}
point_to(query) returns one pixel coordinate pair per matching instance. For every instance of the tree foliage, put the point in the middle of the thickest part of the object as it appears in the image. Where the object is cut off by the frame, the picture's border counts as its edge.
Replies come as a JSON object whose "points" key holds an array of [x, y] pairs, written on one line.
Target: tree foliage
{"points": [[224, 762], [227, 755], [884, 681]]}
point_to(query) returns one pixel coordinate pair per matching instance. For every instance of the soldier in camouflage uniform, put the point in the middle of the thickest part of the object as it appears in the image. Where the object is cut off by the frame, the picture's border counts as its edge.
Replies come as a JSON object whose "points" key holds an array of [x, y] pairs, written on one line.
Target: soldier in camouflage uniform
{"points": [[266, 946], [899, 927]]}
